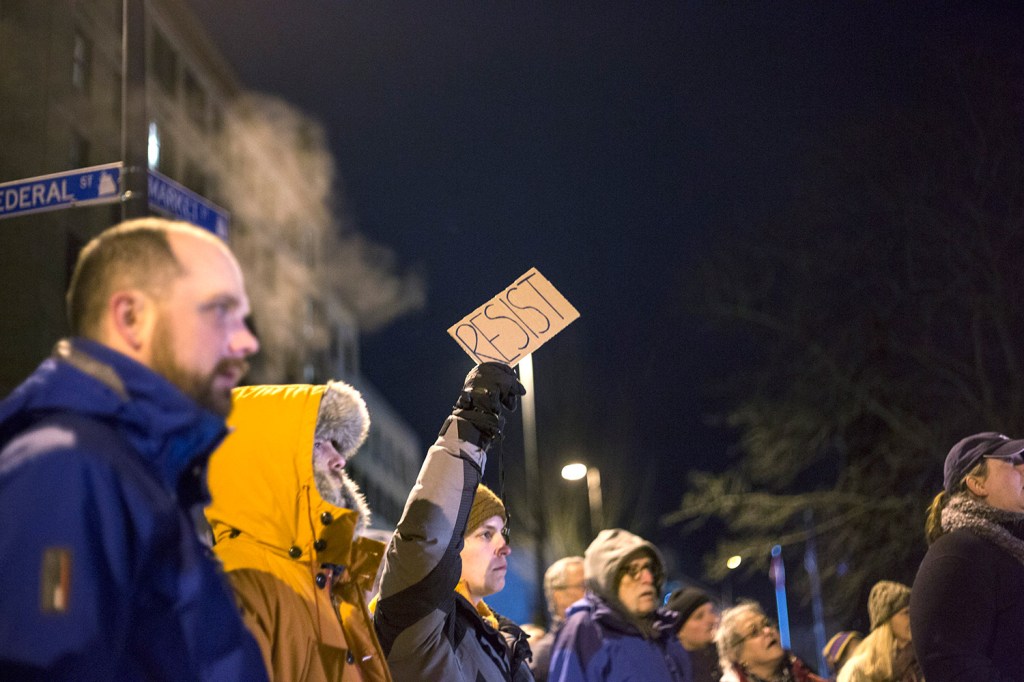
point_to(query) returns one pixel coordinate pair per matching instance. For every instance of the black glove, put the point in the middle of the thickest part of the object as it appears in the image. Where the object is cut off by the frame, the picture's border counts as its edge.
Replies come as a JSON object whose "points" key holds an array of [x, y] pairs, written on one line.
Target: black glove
{"points": [[489, 387]]}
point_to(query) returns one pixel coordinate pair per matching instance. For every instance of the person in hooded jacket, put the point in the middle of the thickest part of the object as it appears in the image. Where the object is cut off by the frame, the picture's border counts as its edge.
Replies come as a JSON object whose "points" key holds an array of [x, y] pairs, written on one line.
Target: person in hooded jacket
{"points": [[617, 631], [103, 454], [286, 520], [449, 552]]}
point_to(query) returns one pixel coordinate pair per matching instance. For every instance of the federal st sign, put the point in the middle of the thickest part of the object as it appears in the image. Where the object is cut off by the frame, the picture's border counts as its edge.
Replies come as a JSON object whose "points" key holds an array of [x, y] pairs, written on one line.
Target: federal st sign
{"points": [[81, 187], [101, 185]]}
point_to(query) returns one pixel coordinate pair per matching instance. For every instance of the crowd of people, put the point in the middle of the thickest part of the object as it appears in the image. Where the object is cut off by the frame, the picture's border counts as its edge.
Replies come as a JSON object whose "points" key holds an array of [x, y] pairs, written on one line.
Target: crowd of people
{"points": [[162, 523]]}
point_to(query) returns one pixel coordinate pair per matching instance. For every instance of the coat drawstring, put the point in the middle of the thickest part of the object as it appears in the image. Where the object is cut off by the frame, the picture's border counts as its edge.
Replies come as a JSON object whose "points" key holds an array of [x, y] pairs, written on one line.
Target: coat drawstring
{"points": [[312, 564]]}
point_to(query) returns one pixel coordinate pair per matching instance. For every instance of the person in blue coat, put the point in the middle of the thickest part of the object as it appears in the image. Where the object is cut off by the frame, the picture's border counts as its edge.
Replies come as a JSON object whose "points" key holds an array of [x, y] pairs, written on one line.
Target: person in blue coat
{"points": [[103, 453], [617, 631]]}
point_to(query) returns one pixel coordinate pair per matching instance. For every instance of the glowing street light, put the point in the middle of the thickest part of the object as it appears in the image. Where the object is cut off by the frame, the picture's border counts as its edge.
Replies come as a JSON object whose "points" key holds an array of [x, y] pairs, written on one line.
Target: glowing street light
{"points": [[574, 472], [732, 563]]}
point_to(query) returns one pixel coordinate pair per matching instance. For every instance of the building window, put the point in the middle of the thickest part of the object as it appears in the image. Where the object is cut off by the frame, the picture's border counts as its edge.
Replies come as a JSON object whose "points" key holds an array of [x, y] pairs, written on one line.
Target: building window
{"points": [[216, 119], [154, 145], [164, 63], [78, 151], [81, 57], [195, 99], [115, 96], [161, 150], [166, 165], [194, 179]]}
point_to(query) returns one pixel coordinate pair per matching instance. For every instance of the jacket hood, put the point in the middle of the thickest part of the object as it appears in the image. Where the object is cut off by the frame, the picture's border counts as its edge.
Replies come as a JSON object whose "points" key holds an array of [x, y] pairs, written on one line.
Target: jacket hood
{"points": [[343, 418], [166, 428], [606, 555], [262, 483]]}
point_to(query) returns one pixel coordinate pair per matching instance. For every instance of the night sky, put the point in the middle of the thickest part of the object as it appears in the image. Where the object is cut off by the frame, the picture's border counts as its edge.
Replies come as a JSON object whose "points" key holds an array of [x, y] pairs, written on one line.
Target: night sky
{"points": [[603, 143]]}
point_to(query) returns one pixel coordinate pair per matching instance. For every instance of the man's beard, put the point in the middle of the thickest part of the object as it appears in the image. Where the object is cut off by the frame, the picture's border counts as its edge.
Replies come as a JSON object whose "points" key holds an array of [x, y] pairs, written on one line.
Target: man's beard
{"points": [[196, 386]]}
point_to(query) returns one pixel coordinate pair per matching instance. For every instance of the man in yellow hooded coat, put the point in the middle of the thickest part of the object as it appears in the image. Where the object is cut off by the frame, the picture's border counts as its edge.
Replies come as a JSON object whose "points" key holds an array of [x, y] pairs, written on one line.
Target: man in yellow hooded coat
{"points": [[286, 521]]}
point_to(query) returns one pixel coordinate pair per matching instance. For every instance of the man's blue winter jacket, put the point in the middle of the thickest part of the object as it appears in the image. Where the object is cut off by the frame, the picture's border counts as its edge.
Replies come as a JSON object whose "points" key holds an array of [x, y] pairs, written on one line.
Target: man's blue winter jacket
{"points": [[102, 574], [596, 644]]}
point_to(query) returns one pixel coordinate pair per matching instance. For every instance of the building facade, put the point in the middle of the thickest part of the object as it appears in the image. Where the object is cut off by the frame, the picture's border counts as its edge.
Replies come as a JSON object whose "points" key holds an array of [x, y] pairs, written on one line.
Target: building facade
{"points": [[60, 109]]}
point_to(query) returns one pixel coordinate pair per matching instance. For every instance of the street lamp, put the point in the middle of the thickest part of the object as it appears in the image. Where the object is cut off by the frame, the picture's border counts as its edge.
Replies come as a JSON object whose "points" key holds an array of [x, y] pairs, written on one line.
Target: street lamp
{"points": [[574, 472], [732, 563], [535, 494]]}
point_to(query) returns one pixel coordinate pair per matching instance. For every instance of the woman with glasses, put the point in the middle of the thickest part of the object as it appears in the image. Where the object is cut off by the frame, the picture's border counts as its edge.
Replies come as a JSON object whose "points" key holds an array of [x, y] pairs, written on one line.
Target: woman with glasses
{"points": [[967, 605], [750, 650]]}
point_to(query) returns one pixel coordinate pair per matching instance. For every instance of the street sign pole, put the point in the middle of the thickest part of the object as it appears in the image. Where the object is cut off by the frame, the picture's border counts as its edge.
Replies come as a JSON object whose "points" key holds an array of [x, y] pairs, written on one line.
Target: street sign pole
{"points": [[134, 123]]}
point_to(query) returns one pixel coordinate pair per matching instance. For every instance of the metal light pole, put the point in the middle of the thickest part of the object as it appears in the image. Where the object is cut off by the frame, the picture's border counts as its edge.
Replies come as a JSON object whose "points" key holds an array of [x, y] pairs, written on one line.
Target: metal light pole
{"points": [[534, 490], [134, 123], [732, 563], [595, 499], [811, 565], [574, 472]]}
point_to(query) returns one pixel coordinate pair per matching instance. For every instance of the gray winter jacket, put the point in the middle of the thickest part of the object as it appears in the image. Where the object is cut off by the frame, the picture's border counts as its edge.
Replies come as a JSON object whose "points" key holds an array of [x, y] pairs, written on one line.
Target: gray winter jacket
{"points": [[427, 630]]}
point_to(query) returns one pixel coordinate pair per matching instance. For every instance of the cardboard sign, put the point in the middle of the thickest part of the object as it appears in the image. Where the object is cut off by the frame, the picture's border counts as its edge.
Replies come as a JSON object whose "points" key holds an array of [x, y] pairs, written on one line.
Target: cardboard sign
{"points": [[516, 322]]}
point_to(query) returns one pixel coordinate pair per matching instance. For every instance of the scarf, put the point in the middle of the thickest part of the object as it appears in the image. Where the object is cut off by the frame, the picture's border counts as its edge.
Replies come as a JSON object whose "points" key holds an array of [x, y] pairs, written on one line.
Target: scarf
{"points": [[742, 674], [1002, 528], [482, 609]]}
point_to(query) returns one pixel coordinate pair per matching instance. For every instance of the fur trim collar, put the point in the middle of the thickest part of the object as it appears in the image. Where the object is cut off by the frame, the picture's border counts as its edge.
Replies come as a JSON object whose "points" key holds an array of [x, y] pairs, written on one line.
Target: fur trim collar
{"points": [[353, 498]]}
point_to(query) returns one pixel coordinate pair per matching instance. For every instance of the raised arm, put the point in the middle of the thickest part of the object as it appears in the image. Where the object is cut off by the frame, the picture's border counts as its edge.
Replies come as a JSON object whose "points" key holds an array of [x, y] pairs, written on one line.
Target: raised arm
{"points": [[422, 565]]}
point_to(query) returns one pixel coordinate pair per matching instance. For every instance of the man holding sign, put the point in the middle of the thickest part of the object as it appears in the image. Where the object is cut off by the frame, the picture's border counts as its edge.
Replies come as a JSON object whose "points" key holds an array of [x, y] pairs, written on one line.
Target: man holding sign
{"points": [[449, 552]]}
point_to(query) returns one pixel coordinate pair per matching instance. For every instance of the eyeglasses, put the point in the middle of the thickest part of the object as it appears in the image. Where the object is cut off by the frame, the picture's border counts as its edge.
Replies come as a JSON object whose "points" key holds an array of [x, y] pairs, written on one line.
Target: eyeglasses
{"points": [[635, 570], [759, 627]]}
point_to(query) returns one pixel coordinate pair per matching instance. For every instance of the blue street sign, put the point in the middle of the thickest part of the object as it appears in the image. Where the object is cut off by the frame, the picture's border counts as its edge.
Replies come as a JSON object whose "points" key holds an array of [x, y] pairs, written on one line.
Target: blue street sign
{"points": [[80, 187], [101, 185], [167, 196]]}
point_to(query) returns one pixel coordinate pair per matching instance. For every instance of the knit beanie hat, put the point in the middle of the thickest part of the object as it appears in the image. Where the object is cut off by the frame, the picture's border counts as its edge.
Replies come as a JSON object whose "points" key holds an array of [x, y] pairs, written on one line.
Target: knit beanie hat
{"points": [[686, 600], [885, 599], [485, 505], [342, 417]]}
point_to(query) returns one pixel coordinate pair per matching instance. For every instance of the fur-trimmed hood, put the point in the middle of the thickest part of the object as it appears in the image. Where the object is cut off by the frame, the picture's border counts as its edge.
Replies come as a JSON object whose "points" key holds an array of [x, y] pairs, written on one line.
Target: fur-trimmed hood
{"points": [[342, 417], [261, 478]]}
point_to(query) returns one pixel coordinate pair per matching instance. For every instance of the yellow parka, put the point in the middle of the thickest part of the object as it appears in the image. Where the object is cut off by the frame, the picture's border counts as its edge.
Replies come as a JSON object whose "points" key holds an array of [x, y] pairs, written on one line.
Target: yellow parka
{"points": [[274, 532]]}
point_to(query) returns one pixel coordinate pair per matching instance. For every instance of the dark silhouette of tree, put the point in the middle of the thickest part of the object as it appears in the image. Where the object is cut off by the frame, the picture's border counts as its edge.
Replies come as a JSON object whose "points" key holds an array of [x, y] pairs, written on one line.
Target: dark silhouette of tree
{"points": [[884, 316]]}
